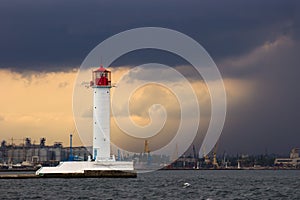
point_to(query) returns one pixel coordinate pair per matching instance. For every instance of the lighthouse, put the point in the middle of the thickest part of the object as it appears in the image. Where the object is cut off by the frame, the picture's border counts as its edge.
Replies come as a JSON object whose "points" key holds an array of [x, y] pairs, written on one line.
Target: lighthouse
{"points": [[103, 163], [101, 84]]}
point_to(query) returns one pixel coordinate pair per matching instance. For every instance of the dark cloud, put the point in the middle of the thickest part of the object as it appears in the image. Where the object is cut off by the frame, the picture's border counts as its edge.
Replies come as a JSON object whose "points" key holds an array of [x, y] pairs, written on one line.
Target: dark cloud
{"points": [[50, 36], [268, 120]]}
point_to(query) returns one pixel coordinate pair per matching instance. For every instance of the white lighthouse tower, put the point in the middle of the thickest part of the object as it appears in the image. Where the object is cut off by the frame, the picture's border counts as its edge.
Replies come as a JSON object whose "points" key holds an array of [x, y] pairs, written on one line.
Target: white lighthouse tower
{"points": [[101, 84], [103, 164]]}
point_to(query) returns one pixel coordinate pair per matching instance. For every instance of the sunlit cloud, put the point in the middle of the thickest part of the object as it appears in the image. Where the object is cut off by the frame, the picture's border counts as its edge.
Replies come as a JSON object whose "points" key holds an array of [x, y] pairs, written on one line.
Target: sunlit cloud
{"points": [[40, 105], [37, 105]]}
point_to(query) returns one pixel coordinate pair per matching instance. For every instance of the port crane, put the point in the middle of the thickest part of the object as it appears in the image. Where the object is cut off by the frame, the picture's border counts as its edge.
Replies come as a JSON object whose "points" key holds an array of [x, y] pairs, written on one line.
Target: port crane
{"points": [[147, 151], [195, 157], [215, 162]]}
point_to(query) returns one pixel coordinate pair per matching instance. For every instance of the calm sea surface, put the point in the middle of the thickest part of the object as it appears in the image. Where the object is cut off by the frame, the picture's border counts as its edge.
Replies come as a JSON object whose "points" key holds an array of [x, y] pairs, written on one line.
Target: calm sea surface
{"points": [[242, 184]]}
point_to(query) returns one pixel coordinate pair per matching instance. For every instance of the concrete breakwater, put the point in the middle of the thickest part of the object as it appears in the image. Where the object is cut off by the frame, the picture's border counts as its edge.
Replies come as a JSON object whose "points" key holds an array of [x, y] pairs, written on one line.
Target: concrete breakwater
{"points": [[86, 174]]}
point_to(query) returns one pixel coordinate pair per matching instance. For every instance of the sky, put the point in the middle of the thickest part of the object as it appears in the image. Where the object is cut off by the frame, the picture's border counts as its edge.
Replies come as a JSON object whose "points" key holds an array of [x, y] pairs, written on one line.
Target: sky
{"points": [[255, 45]]}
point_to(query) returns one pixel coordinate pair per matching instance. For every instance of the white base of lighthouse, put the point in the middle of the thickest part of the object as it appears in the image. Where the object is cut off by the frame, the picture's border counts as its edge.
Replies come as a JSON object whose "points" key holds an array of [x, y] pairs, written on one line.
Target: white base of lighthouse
{"points": [[87, 169], [101, 124]]}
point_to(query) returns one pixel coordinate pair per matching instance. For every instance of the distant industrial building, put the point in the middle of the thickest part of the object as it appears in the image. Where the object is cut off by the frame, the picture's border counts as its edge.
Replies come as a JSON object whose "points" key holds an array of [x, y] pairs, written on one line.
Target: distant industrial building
{"points": [[33, 154], [292, 161]]}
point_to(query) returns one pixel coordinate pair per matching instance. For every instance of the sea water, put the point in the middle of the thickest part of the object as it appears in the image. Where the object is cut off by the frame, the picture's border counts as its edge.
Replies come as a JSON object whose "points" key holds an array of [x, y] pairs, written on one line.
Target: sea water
{"points": [[165, 184]]}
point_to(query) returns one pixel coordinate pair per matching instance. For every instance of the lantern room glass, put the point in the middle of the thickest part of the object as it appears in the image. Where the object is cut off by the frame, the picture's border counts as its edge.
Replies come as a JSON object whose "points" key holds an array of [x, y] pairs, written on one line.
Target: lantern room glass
{"points": [[102, 78]]}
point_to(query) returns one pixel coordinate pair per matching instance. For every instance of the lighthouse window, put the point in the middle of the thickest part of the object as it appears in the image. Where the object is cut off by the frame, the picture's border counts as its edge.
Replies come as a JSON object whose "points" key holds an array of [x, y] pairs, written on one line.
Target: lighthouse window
{"points": [[95, 107], [95, 122]]}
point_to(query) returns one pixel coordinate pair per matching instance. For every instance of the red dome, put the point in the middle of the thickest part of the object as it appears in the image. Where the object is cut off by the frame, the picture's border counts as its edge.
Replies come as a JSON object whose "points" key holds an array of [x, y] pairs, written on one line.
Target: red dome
{"points": [[101, 69], [101, 77]]}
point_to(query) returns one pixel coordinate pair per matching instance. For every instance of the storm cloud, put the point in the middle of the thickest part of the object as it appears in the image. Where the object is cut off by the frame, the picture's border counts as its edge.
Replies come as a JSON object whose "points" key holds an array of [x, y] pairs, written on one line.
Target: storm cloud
{"points": [[55, 36]]}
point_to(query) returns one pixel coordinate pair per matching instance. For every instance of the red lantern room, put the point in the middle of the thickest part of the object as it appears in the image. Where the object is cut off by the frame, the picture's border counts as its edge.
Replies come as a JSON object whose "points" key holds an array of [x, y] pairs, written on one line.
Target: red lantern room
{"points": [[101, 77]]}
